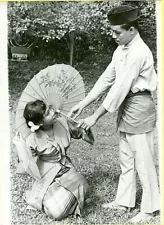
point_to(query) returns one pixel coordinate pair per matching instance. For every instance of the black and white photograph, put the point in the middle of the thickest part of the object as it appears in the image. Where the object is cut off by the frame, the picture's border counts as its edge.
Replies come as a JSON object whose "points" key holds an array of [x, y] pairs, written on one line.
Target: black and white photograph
{"points": [[84, 108]]}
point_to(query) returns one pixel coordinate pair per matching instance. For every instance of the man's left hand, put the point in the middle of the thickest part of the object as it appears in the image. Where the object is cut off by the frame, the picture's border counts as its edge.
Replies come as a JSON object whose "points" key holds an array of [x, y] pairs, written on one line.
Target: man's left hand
{"points": [[87, 122]]}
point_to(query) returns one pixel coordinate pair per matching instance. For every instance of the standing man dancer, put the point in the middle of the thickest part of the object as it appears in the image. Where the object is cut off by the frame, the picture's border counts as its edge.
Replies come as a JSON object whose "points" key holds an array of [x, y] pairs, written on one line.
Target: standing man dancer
{"points": [[128, 81]]}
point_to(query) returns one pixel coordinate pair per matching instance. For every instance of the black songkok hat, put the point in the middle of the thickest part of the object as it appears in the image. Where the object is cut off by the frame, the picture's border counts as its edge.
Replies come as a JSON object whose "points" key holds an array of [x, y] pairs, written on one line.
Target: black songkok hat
{"points": [[123, 14]]}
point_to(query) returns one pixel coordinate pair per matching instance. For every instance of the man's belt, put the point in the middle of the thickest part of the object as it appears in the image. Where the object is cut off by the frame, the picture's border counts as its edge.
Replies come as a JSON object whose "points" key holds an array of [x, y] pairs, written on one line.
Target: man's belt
{"points": [[131, 94]]}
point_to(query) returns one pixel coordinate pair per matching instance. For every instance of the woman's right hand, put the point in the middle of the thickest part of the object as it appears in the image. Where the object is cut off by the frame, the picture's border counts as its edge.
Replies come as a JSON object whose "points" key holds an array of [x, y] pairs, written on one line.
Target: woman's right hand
{"points": [[75, 111]]}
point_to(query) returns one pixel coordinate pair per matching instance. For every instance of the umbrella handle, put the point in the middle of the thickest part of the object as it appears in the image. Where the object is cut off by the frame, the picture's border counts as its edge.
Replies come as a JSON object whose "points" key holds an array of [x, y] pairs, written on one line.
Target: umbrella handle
{"points": [[66, 116]]}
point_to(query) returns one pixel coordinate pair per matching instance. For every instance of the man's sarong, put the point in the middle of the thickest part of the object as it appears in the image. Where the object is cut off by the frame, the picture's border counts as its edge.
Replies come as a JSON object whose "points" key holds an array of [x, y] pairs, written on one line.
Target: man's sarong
{"points": [[137, 113]]}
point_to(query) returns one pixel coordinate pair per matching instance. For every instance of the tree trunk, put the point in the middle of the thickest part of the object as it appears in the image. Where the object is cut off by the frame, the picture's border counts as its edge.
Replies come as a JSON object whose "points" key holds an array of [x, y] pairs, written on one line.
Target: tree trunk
{"points": [[41, 52], [72, 41]]}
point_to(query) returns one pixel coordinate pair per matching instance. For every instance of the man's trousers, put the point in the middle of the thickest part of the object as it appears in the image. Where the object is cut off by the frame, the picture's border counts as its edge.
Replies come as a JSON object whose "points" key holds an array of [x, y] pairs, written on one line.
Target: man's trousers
{"points": [[136, 155]]}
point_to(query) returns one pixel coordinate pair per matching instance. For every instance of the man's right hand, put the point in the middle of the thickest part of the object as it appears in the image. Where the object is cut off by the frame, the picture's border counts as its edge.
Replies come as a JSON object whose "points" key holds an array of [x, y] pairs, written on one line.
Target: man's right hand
{"points": [[75, 111]]}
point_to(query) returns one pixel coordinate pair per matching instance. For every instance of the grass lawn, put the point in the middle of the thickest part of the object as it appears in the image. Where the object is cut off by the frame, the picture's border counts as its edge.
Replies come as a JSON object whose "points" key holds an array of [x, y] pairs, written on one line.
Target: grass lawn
{"points": [[98, 163]]}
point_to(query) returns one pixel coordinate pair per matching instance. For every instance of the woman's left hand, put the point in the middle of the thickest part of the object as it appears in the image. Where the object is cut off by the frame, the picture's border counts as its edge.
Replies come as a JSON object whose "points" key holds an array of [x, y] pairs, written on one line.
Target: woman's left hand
{"points": [[87, 122]]}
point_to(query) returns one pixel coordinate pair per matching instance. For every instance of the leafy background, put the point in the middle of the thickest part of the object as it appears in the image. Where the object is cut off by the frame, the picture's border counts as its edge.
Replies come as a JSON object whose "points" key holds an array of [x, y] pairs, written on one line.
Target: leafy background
{"points": [[62, 30]]}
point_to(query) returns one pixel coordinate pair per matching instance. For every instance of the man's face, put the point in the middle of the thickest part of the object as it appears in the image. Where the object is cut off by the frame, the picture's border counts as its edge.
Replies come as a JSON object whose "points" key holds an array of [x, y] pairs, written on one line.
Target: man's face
{"points": [[120, 35]]}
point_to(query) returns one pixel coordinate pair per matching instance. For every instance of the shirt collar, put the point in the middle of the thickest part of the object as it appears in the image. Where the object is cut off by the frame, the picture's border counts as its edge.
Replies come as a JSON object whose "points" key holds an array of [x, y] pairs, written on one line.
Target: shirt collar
{"points": [[135, 39]]}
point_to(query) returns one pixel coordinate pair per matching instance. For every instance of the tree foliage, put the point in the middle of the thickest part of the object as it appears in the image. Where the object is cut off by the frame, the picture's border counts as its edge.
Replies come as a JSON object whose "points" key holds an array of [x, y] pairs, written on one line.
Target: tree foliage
{"points": [[70, 23], [52, 20]]}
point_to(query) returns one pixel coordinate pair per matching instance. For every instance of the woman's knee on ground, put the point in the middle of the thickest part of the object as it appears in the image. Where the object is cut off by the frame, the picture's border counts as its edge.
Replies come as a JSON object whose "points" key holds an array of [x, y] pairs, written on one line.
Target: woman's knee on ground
{"points": [[59, 205], [55, 214], [58, 213]]}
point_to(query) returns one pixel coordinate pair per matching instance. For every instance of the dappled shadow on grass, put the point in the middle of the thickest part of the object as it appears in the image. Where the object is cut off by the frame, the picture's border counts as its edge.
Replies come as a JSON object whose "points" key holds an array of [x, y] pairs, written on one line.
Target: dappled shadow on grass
{"points": [[102, 187], [98, 183]]}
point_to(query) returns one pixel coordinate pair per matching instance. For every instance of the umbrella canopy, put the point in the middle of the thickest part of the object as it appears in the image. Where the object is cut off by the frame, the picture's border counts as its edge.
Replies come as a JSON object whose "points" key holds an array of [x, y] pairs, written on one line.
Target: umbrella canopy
{"points": [[59, 85]]}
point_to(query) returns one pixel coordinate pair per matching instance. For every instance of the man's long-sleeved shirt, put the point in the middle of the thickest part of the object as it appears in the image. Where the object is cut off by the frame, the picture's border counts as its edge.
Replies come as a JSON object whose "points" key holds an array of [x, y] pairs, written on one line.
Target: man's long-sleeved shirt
{"points": [[131, 68]]}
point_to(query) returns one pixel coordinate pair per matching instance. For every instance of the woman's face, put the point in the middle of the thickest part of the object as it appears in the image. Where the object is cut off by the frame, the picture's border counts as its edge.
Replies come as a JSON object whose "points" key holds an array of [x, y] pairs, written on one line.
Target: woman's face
{"points": [[50, 116]]}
